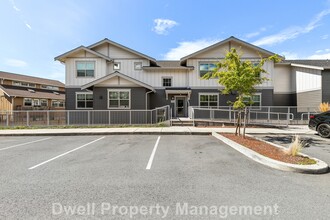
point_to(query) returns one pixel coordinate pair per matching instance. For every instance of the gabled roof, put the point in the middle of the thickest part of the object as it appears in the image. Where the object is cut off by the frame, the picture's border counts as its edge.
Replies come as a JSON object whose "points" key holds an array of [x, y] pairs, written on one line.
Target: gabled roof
{"points": [[106, 40], [30, 79], [316, 63], [114, 74], [65, 55], [13, 91], [224, 42]]}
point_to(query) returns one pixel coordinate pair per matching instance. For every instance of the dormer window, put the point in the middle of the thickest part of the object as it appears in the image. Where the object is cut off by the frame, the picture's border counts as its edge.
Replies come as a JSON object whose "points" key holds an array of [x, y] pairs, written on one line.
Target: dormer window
{"points": [[85, 68], [116, 66]]}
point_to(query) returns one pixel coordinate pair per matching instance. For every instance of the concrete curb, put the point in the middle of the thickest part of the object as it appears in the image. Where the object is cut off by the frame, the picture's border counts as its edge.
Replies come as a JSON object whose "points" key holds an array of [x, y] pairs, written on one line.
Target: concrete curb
{"points": [[318, 168]]}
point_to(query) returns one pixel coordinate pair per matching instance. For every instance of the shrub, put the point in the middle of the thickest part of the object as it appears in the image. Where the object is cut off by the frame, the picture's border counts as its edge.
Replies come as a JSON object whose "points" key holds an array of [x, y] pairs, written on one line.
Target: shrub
{"points": [[324, 106], [296, 146]]}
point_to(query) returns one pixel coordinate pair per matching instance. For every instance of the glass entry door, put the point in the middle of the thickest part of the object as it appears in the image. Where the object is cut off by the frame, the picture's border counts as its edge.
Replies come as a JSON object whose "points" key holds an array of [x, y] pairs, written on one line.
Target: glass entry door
{"points": [[180, 107]]}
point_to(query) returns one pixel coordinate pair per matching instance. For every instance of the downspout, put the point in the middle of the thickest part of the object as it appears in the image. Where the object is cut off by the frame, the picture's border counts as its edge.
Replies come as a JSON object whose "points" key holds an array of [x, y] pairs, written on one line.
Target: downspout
{"points": [[147, 98]]}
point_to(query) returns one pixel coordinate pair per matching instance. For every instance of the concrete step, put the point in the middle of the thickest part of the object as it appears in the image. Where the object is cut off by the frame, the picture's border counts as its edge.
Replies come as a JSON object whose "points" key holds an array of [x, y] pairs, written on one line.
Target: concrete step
{"points": [[182, 123]]}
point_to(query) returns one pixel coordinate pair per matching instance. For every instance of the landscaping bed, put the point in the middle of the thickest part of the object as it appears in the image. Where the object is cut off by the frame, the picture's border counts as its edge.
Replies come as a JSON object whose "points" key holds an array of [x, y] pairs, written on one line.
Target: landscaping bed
{"points": [[269, 150]]}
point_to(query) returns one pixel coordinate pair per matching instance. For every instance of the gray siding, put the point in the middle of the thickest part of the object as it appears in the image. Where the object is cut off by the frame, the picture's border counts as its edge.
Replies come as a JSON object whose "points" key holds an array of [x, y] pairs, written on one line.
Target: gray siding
{"points": [[326, 86], [70, 98], [285, 99], [310, 99]]}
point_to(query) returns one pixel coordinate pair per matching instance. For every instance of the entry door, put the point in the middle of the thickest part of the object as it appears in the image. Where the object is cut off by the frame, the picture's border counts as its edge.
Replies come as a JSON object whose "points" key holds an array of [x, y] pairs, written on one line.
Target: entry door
{"points": [[180, 107]]}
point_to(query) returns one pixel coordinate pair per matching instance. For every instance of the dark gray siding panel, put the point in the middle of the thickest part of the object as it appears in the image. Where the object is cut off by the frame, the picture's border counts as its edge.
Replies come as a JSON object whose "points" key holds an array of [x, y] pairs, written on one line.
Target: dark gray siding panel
{"points": [[285, 99], [70, 98], [326, 86], [158, 99]]}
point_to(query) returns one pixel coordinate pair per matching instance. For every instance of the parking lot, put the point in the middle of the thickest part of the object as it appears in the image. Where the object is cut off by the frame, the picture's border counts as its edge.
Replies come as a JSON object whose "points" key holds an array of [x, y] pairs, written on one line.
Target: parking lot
{"points": [[88, 176]]}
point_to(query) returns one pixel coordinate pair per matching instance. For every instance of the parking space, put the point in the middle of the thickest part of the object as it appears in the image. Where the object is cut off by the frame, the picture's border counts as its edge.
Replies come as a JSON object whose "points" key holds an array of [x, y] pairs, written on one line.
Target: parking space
{"points": [[77, 171]]}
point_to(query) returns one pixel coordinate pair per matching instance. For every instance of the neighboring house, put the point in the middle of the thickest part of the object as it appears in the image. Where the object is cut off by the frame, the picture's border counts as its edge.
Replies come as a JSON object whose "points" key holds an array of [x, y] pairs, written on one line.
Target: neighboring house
{"points": [[21, 92], [107, 75]]}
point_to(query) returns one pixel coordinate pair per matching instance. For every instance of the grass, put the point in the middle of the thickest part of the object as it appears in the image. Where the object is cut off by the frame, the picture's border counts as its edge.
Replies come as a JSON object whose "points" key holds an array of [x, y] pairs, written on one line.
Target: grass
{"points": [[324, 106], [161, 124], [295, 147]]}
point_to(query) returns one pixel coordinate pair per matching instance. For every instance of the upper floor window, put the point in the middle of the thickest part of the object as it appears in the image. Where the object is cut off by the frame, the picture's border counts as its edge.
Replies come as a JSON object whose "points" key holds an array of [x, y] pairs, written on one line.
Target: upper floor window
{"points": [[44, 102], [208, 99], [116, 66], [85, 68], [167, 82], [205, 68], [25, 84], [50, 87], [84, 100], [254, 101], [119, 98], [138, 65], [27, 102]]}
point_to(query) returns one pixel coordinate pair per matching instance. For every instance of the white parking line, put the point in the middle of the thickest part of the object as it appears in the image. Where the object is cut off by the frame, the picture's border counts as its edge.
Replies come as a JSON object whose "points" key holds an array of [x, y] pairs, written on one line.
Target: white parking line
{"points": [[61, 155], [152, 154], [17, 145]]}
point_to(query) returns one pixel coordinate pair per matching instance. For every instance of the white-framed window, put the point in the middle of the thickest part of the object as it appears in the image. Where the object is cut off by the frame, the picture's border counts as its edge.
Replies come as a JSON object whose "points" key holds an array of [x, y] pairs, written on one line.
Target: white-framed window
{"points": [[44, 102], [85, 68], [138, 65], [36, 102], [50, 87], [84, 100], [119, 98], [116, 65], [167, 81], [58, 103], [25, 84], [254, 101], [208, 99], [205, 67], [27, 102]]}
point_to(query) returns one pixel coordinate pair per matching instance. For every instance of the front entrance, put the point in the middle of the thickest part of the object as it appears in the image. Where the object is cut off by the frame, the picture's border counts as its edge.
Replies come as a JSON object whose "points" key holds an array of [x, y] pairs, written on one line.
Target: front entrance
{"points": [[180, 106]]}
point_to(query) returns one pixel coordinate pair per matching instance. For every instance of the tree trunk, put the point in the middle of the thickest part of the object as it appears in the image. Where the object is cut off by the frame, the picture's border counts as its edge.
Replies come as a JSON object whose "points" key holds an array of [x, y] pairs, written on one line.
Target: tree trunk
{"points": [[237, 123]]}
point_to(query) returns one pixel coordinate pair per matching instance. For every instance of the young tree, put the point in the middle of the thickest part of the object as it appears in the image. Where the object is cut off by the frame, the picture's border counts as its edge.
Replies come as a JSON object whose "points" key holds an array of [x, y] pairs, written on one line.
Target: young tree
{"points": [[239, 76]]}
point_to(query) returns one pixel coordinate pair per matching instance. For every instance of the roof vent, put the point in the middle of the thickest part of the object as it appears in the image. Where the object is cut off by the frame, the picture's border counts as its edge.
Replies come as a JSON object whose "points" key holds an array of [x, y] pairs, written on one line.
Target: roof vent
{"points": [[56, 93], [31, 90]]}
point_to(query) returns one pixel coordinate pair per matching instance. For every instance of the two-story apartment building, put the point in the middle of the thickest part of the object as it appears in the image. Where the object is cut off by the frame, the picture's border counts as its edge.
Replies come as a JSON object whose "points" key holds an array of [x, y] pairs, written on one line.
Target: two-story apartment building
{"points": [[22, 92], [107, 75]]}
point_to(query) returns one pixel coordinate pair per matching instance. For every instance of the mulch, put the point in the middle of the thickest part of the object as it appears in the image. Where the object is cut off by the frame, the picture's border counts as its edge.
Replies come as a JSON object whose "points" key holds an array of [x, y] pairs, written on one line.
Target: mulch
{"points": [[268, 150]]}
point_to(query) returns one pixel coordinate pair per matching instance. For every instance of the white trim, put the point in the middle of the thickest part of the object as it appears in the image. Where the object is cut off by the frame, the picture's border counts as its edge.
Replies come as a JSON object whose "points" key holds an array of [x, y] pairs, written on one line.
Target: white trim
{"points": [[118, 63], [119, 90], [76, 100], [84, 60], [207, 93], [167, 77], [307, 66], [28, 105]]}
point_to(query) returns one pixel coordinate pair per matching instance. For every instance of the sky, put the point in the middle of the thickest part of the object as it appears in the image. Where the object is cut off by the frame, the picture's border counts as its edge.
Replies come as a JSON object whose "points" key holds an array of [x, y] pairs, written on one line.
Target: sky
{"points": [[36, 31]]}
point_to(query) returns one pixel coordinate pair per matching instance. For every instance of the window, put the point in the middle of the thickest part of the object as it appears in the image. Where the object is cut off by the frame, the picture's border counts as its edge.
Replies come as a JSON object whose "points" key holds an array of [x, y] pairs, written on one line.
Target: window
{"points": [[44, 102], [58, 103], [36, 102], [167, 82], [27, 102], [85, 68], [84, 100], [50, 87], [254, 101], [119, 99], [116, 66], [205, 68], [25, 84], [208, 100], [137, 65]]}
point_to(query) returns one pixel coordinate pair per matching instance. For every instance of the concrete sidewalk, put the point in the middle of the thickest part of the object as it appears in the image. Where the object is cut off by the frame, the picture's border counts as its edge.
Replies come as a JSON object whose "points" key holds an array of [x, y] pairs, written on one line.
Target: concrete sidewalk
{"points": [[151, 130]]}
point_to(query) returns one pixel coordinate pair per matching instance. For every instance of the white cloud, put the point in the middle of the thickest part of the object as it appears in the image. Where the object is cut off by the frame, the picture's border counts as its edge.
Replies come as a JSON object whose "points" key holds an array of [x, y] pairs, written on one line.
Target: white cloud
{"points": [[28, 26], [292, 32], [162, 26], [322, 51], [15, 63], [320, 56], [188, 47], [290, 55], [256, 33], [14, 5], [324, 37]]}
